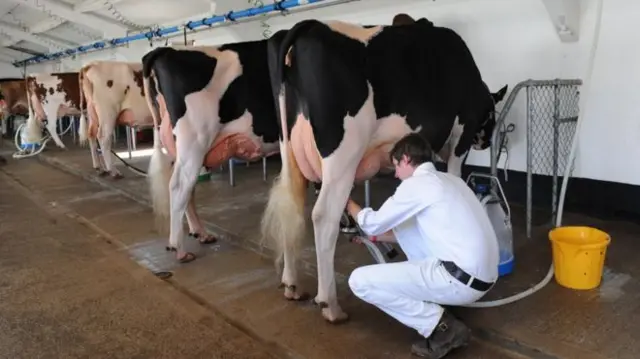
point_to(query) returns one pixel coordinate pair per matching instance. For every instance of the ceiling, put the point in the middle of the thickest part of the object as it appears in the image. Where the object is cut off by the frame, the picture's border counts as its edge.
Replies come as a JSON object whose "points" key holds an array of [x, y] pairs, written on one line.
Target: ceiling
{"points": [[32, 27]]}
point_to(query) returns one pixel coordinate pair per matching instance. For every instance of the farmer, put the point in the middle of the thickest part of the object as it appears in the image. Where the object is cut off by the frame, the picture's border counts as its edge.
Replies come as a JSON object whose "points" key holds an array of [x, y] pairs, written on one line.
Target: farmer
{"points": [[449, 242]]}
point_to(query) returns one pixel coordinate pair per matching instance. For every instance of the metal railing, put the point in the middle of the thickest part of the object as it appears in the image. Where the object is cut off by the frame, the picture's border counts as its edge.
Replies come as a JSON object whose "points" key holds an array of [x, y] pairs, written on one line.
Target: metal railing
{"points": [[552, 114]]}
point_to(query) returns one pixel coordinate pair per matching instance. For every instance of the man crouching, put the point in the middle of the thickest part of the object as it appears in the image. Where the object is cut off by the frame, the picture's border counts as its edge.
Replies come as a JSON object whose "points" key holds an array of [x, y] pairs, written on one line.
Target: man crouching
{"points": [[449, 241]]}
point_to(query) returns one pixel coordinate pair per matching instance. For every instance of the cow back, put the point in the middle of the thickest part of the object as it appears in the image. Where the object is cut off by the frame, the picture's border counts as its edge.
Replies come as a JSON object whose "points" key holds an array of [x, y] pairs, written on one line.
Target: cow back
{"points": [[64, 84], [252, 90], [427, 74]]}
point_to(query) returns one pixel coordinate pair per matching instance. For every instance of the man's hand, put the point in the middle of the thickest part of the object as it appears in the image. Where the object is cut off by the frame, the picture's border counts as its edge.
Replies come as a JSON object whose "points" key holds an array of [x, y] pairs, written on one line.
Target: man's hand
{"points": [[387, 237], [353, 208]]}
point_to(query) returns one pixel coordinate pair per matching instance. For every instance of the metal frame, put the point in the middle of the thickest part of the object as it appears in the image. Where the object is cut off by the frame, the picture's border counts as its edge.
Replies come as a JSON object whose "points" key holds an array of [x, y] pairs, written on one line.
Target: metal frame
{"points": [[233, 161], [535, 118]]}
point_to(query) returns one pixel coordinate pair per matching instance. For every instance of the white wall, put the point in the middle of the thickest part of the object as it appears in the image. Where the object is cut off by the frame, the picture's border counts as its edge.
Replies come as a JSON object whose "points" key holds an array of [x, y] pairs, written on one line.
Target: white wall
{"points": [[8, 70], [514, 41]]}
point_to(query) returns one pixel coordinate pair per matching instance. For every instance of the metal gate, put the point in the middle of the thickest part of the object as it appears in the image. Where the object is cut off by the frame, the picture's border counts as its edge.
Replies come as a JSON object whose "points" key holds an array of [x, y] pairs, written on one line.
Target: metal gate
{"points": [[552, 114]]}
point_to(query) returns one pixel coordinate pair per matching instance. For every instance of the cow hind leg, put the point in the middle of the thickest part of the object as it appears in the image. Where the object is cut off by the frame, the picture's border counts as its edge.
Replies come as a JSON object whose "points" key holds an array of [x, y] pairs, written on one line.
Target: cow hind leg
{"points": [[88, 132], [106, 126], [106, 143], [338, 175], [196, 228], [191, 148], [326, 221], [98, 164]]}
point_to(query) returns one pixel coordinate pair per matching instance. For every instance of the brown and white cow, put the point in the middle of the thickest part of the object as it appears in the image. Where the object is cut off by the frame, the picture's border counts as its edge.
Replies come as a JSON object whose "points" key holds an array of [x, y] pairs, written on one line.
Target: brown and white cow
{"points": [[13, 100], [115, 95], [14, 96], [50, 97]]}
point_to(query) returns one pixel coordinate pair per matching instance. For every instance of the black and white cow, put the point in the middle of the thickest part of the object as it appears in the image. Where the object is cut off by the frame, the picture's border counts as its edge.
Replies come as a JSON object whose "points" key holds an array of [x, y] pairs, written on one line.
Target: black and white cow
{"points": [[209, 104], [345, 94]]}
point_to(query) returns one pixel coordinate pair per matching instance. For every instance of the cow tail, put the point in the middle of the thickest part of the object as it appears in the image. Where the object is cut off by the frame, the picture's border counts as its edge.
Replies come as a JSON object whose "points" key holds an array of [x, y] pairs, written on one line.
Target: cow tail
{"points": [[34, 132], [291, 36], [83, 130], [159, 171], [283, 224]]}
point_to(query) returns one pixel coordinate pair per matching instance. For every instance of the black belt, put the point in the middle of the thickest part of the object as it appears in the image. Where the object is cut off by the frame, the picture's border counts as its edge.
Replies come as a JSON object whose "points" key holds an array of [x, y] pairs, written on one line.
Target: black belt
{"points": [[464, 277]]}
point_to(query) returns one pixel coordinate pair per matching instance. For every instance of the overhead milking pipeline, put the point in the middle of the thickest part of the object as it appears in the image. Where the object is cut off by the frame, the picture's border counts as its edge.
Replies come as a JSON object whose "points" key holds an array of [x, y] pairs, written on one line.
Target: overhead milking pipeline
{"points": [[266, 32], [280, 7]]}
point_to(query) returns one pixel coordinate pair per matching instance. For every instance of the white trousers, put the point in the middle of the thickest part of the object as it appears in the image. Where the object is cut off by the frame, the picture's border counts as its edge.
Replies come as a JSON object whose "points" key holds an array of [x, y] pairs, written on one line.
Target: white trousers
{"points": [[411, 291]]}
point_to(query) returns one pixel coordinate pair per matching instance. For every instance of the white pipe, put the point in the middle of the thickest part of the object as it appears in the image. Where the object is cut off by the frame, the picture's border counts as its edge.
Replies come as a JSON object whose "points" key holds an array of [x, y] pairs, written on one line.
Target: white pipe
{"points": [[582, 105]]}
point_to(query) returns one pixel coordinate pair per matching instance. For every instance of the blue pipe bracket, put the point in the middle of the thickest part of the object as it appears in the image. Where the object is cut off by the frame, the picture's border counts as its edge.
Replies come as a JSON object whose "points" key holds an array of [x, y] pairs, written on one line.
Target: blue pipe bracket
{"points": [[277, 6]]}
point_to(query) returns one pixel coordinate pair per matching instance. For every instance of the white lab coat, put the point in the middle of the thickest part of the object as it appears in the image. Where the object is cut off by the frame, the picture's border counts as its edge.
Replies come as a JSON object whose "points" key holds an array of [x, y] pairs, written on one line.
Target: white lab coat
{"points": [[435, 217]]}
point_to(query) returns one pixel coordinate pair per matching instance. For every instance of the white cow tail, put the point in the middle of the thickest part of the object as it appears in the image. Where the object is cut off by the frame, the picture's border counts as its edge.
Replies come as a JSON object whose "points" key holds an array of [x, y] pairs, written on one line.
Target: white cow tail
{"points": [[83, 130], [34, 132], [283, 223], [158, 176]]}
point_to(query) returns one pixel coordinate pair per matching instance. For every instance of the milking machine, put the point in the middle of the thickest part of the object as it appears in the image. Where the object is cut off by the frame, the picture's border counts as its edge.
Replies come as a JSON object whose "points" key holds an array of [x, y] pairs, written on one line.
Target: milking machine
{"points": [[497, 207], [349, 226], [29, 147]]}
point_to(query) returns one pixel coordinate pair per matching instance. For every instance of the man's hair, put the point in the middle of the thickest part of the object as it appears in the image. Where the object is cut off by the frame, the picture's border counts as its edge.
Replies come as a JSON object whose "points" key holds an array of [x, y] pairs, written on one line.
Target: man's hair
{"points": [[415, 147], [402, 19]]}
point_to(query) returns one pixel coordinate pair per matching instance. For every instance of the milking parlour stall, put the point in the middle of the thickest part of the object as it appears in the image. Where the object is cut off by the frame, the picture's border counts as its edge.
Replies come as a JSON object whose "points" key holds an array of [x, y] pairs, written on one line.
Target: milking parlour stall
{"points": [[220, 178]]}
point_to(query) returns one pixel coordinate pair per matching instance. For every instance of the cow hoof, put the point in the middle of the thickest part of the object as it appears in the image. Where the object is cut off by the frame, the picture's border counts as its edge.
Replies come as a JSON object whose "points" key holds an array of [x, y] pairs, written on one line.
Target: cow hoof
{"points": [[335, 316], [291, 294], [296, 297], [102, 173], [116, 176], [186, 257], [182, 257]]}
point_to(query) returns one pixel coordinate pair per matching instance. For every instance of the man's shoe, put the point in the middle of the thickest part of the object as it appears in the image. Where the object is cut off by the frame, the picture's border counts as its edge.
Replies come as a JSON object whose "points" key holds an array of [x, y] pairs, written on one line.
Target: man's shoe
{"points": [[450, 333]]}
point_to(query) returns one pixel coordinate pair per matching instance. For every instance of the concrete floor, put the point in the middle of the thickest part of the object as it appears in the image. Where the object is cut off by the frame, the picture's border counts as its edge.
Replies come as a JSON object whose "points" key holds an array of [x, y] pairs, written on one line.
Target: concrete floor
{"points": [[87, 252], [241, 286], [67, 293]]}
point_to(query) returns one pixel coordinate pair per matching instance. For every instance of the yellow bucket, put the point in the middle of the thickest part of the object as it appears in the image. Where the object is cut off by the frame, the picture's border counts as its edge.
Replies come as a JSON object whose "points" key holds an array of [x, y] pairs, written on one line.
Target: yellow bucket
{"points": [[578, 256]]}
